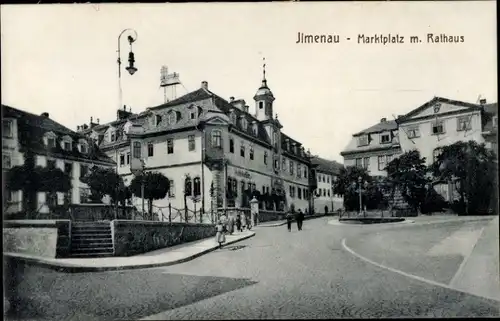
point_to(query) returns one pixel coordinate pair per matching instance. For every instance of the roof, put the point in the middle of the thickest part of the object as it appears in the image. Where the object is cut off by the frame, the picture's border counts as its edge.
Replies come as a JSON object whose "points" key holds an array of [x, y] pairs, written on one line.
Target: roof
{"points": [[193, 96], [326, 165], [32, 128], [435, 100], [380, 127]]}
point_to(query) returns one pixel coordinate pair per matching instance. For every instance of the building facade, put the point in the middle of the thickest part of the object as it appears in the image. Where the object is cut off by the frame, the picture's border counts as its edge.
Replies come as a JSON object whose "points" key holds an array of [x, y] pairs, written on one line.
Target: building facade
{"points": [[52, 144], [374, 147], [428, 128], [325, 200], [218, 147]]}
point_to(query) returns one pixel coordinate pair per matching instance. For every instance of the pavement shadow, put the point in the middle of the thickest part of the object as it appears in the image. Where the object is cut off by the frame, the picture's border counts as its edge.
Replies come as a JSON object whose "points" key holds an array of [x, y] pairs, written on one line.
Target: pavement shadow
{"points": [[45, 294]]}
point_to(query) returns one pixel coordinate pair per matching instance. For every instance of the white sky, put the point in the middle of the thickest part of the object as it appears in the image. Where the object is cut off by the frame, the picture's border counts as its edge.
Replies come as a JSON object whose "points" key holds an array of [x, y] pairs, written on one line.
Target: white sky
{"points": [[61, 59]]}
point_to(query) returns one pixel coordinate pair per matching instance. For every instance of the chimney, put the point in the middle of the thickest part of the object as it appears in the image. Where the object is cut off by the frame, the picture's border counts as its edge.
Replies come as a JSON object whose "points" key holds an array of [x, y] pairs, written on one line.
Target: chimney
{"points": [[383, 120], [245, 108], [231, 99], [124, 107], [97, 120], [204, 85], [45, 114], [77, 128], [482, 101], [91, 119]]}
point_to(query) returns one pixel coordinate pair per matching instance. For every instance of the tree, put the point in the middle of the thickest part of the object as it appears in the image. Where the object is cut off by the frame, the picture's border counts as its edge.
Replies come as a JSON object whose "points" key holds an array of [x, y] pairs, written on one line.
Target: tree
{"points": [[347, 186], [32, 179], [469, 165], [102, 182], [156, 187], [408, 175]]}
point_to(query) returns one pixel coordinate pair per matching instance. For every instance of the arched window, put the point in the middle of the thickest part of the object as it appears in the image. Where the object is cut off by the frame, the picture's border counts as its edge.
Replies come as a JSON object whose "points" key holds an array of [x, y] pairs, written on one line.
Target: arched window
{"points": [[188, 190], [231, 145], [136, 152], [197, 186], [217, 139], [265, 158]]}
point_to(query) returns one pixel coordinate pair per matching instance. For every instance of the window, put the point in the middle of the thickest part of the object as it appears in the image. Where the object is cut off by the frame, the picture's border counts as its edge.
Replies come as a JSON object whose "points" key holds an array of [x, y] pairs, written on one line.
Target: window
{"points": [[113, 136], [366, 162], [217, 139], [137, 150], [385, 138], [128, 158], [83, 170], [463, 123], [51, 163], [249, 186], [170, 146], [231, 145], [253, 187], [242, 150], [6, 161], [381, 162], [263, 189], [158, 120], [283, 163], [83, 148], [265, 158], [244, 124], [122, 159], [436, 153], [437, 128], [251, 153], [413, 132], [389, 158], [291, 167], [261, 104], [192, 115], [68, 169], [254, 130], [150, 149], [191, 143], [197, 186], [242, 185], [233, 117], [51, 142], [188, 190], [306, 193], [363, 140], [267, 189], [328, 193], [290, 190], [172, 118], [7, 128], [171, 189], [299, 171], [84, 195], [299, 193], [359, 162], [495, 121], [324, 191], [67, 145], [328, 179], [276, 163]]}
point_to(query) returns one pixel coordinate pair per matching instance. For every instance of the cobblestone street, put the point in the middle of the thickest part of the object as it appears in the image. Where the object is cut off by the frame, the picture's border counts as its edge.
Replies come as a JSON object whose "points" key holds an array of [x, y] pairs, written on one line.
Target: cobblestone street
{"points": [[276, 274]]}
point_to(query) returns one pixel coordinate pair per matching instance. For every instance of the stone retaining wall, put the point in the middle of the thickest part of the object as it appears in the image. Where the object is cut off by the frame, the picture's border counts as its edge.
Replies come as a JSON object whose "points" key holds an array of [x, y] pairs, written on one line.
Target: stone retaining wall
{"points": [[136, 237], [45, 238]]}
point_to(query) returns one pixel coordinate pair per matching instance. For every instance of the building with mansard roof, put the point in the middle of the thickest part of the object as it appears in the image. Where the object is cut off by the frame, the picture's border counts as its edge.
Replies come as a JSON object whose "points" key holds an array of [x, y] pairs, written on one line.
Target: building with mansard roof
{"points": [[222, 147], [51, 143]]}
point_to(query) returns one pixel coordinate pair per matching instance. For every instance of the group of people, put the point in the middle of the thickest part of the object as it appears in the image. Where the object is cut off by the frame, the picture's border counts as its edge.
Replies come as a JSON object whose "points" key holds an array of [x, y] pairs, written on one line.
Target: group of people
{"points": [[229, 225], [299, 218]]}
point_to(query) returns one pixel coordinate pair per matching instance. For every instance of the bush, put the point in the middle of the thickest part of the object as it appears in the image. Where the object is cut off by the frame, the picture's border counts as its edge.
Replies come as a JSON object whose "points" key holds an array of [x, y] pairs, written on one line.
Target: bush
{"points": [[459, 207], [432, 202]]}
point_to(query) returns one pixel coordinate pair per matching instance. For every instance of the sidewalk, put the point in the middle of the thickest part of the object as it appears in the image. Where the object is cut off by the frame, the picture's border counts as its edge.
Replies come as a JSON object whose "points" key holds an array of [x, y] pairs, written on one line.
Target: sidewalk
{"points": [[479, 272], [163, 257]]}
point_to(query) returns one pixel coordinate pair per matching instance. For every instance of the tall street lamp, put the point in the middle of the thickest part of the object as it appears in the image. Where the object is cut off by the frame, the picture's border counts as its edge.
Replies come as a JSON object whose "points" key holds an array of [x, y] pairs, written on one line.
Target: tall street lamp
{"points": [[132, 37], [360, 179]]}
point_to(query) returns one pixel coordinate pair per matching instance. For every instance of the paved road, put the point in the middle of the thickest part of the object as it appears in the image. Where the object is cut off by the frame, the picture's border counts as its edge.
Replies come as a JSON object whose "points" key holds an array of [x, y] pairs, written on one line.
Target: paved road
{"points": [[276, 274]]}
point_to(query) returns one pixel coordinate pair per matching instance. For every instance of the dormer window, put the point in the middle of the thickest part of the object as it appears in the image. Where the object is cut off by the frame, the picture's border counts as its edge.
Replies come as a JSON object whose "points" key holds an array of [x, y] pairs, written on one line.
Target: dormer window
{"points": [[50, 139], [66, 143], [233, 117], [254, 129], [385, 138], [83, 146], [113, 136], [244, 123], [7, 128], [157, 120], [363, 140], [172, 118]]}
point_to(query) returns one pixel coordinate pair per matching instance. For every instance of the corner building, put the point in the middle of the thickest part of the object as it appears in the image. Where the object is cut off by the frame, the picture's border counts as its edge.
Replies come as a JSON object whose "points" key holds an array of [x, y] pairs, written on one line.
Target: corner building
{"points": [[217, 146]]}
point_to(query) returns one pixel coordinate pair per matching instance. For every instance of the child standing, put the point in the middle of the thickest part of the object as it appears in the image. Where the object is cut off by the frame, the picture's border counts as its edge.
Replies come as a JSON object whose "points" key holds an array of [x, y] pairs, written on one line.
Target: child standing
{"points": [[220, 237]]}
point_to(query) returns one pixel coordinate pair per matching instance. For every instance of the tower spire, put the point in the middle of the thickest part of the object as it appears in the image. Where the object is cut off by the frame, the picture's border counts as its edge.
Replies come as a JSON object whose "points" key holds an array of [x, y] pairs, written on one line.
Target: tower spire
{"points": [[264, 81]]}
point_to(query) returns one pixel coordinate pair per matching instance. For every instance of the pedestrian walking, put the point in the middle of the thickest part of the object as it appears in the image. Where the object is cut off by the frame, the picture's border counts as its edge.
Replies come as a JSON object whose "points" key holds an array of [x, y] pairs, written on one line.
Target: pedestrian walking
{"points": [[230, 225], [220, 236], [300, 219], [243, 222], [289, 218], [238, 223], [249, 223]]}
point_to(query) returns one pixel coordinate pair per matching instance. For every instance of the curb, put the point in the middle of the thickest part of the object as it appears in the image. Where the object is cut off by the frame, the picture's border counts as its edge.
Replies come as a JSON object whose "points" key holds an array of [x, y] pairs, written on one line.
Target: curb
{"points": [[416, 223], [293, 221], [69, 268]]}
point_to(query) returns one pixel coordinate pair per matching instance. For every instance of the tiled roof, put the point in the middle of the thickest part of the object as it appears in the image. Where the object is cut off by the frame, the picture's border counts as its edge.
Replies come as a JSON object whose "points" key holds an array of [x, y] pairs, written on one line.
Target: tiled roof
{"points": [[326, 165], [380, 127], [32, 128]]}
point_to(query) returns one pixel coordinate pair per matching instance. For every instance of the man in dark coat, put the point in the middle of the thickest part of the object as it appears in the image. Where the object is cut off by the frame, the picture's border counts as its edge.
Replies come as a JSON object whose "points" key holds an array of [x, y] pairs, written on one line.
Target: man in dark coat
{"points": [[300, 219]]}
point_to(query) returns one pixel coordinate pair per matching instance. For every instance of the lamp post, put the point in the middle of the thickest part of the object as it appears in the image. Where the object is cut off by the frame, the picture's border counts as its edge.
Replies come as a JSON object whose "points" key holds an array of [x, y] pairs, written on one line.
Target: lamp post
{"points": [[360, 179], [131, 69]]}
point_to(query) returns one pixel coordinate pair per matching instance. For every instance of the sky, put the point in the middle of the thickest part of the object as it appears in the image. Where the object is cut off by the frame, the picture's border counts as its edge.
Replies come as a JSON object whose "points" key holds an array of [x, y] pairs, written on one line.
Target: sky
{"points": [[61, 59]]}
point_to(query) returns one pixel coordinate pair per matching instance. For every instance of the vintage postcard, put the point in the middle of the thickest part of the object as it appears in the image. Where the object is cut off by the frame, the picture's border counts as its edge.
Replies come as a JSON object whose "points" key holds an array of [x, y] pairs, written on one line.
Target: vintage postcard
{"points": [[250, 160]]}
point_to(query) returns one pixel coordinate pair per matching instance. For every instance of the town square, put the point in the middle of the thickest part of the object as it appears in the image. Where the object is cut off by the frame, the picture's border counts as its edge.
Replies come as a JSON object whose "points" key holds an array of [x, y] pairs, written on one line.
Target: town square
{"points": [[195, 161]]}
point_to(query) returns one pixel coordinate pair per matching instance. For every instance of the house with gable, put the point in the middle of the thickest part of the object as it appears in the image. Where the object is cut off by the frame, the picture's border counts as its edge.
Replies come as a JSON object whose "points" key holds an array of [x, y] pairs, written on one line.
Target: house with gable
{"points": [[52, 144]]}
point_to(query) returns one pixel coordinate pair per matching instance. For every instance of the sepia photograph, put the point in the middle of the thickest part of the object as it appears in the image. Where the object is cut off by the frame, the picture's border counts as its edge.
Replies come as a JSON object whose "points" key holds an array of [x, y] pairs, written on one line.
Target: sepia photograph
{"points": [[272, 160]]}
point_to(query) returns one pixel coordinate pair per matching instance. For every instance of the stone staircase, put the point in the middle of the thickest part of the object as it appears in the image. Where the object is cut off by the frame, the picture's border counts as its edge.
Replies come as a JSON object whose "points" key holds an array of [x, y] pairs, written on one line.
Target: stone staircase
{"points": [[91, 239]]}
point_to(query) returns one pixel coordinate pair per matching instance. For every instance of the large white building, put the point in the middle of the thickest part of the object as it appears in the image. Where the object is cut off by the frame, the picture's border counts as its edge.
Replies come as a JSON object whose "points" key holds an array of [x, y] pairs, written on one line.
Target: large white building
{"points": [[221, 147], [325, 200], [437, 123], [51, 143]]}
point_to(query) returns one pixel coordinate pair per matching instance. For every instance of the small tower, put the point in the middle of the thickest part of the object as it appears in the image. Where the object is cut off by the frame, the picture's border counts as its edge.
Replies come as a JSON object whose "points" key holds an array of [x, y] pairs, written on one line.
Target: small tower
{"points": [[264, 99]]}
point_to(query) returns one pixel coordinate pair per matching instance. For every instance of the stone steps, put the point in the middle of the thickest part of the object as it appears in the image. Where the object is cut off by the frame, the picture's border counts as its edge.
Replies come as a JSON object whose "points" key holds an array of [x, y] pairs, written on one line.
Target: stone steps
{"points": [[91, 239]]}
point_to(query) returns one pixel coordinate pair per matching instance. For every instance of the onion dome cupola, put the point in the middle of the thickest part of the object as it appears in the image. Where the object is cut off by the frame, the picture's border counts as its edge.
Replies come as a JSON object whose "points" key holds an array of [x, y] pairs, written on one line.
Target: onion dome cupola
{"points": [[264, 100]]}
